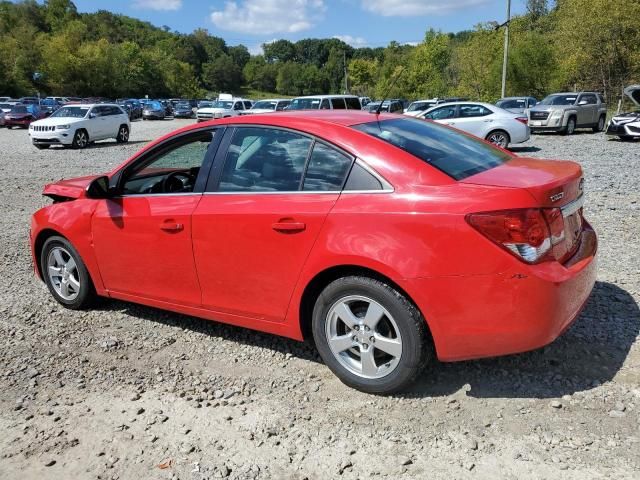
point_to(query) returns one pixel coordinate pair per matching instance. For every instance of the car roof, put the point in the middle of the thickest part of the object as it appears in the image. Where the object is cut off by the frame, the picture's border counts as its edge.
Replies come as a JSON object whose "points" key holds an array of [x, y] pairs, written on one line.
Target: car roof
{"points": [[327, 96], [272, 100], [463, 102]]}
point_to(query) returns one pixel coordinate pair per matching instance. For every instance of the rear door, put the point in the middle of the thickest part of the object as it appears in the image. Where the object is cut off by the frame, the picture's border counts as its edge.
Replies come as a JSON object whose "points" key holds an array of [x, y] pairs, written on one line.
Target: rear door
{"points": [[474, 119], [260, 216]]}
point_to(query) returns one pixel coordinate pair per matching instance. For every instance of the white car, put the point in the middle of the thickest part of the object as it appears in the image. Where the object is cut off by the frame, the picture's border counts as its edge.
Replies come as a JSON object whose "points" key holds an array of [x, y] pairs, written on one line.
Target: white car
{"points": [[626, 126], [421, 106], [79, 125], [267, 106], [326, 102], [225, 106], [483, 120]]}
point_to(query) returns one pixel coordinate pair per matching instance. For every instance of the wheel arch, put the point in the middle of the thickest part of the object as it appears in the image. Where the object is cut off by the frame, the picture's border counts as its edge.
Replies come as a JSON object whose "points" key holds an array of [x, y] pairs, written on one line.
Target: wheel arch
{"points": [[38, 244], [323, 278]]}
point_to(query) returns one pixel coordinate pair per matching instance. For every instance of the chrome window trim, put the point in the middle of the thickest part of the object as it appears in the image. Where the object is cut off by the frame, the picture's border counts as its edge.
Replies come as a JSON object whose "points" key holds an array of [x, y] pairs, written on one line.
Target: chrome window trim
{"points": [[572, 207]]}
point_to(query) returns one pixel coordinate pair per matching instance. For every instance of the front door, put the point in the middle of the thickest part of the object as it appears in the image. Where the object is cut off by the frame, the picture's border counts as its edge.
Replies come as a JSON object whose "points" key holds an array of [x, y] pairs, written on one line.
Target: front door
{"points": [[256, 225], [142, 237]]}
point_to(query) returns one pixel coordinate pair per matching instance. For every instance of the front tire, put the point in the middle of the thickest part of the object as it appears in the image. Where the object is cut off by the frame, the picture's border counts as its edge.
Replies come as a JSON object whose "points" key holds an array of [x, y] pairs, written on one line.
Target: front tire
{"points": [[123, 134], [370, 335], [499, 138], [570, 129], [80, 139], [66, 275]]}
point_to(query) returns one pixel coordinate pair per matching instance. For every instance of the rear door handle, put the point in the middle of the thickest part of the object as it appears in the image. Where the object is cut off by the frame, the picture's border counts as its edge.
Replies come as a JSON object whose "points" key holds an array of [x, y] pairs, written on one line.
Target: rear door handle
{"points": [[288, 227], [171, 227]]}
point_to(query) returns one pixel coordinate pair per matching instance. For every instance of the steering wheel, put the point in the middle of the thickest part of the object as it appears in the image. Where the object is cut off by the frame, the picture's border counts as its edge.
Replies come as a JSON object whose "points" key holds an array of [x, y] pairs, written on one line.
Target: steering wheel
{"points": [[176, 182]]}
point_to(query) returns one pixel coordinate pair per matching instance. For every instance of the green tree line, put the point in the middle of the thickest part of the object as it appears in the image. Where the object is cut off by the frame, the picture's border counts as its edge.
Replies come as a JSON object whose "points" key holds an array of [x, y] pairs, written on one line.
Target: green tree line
{"points": [[567, 45]]}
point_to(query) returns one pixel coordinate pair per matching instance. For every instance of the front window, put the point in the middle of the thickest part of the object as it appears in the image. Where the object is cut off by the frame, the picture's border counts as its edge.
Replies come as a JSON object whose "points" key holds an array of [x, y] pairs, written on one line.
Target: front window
{"points": [[173, 169], [305, 104], [452, 152], [442, 113], [226, 105], [71, 112], [559, 100], [264, 105]]}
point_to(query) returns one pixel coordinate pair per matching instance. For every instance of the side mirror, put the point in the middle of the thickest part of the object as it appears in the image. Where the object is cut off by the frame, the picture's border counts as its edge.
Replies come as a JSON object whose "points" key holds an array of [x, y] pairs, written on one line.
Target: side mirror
{"points": [[99, 188], [583, 102]]}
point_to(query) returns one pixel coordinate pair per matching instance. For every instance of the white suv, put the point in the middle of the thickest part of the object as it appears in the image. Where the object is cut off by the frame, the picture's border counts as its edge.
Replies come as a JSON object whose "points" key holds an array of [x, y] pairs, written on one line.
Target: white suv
{"points": [[225, 106], [79, 125]]}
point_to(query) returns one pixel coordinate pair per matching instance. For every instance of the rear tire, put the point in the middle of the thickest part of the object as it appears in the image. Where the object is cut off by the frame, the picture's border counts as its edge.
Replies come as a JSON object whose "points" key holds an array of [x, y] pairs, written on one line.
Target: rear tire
{"points": [[387, 345], [600, 125], [123, 134], [66, 275], [80, 139], [500, 138]]}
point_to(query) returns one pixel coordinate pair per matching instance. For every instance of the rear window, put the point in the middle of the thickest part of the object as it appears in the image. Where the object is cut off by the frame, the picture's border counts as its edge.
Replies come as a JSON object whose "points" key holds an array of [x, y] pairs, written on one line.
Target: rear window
{"points": [[454, 153]]}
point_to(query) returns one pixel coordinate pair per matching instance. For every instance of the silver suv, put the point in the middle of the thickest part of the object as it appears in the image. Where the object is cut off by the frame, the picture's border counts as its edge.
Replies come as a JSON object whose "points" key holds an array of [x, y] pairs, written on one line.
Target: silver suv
{"points": [[564, 112]]}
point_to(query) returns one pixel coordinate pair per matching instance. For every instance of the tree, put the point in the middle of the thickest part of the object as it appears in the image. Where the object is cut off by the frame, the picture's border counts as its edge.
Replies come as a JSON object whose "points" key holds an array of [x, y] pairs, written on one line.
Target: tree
{"points": [[222, 75], [279, 51]]}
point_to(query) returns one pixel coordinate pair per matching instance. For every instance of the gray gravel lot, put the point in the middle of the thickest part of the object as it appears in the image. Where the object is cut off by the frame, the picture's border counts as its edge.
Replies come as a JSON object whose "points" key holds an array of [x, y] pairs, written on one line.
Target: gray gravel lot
{"points": [[129, 392]]}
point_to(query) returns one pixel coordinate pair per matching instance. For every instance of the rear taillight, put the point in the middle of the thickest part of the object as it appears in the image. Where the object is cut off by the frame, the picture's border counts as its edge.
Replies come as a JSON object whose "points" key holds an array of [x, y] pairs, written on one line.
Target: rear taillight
{"points": [[530, 233], [524, 120]]}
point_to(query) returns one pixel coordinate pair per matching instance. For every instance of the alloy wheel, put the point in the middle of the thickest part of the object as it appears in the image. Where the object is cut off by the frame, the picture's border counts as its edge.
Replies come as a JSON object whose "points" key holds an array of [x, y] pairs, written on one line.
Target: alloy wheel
{"points": [[63, 273], [363, 337], [499, 139], [123, 134], [81, 139]]}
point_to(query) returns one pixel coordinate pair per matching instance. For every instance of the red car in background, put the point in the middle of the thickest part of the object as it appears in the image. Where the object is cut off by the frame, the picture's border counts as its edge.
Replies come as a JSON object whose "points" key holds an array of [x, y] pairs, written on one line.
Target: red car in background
{"points": [[23, 115], [387, 240]]}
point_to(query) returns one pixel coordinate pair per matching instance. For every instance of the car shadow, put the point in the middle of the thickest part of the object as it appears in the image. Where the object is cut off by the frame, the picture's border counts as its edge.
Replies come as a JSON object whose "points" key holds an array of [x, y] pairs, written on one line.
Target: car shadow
{"points": [[108, 143], [527, 149], [589, 354]]}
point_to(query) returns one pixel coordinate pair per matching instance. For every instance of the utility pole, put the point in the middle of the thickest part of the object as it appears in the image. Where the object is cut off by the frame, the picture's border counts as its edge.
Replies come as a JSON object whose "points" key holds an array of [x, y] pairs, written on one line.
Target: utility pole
{"points": [[346, 73], [506, 50]]}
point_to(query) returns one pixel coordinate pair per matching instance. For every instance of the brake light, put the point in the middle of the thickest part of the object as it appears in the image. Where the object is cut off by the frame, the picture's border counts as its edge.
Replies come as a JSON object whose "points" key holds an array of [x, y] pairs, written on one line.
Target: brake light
{"points": [[530, 233], [524, 120]]}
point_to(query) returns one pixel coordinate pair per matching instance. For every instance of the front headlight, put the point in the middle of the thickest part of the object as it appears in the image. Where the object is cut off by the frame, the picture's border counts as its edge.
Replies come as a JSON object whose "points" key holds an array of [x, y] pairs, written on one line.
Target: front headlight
{"points": [[63, 127], [556, 114]]}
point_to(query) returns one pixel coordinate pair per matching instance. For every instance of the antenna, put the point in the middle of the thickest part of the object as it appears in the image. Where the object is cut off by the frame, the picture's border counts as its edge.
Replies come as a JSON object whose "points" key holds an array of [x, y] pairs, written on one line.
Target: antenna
{"points": [[384, 97]]}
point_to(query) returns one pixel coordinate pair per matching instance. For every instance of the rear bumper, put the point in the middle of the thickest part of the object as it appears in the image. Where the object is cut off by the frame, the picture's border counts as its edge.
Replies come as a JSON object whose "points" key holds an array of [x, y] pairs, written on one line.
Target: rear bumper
{"points": [[519, 310], [17, 123]]}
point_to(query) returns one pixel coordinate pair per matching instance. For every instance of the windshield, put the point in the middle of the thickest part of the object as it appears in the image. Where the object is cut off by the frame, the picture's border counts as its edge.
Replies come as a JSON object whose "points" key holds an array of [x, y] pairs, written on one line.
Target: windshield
{"points": [[154, 106], [305, 104], [265, 105], [559, 100], [420, 106], [227, 105], [452, 152], [71, 112], [20, 109], [183, 105]]}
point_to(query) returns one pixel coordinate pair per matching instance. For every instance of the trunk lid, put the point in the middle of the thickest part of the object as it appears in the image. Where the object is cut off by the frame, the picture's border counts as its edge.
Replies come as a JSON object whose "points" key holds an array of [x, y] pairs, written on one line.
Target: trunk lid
{"points": [[554, 185], [69, 189]]}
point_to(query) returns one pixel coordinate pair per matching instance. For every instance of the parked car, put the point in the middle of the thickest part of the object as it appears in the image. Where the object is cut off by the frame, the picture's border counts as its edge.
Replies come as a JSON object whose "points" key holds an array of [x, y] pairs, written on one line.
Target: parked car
{"points": [[6, 107], [50, 105], [326, 102], [483, 120], [79, 125], [133, 108], [364, 101], [29, 101], [168, 108], [2, 115], [154, 110], [60, 100], [501, 257], [566, 112], [226, 106], [268, 106], [517, 104], [5, 99], [22, 115], [183, 110], [415, 108], [390, 106], [626, 126]]}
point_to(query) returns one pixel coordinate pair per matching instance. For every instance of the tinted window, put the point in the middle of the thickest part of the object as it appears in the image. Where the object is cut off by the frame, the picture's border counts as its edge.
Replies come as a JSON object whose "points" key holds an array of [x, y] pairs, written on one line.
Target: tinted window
{"points": [[182, 158], [469, 111], [590, 99], [454, 153], [442, 113], [519, 103], [324, 105], [361, 179], [283, 105], [338, 104], [264, 160], [353, 103], [305, 104], [327, 169]]}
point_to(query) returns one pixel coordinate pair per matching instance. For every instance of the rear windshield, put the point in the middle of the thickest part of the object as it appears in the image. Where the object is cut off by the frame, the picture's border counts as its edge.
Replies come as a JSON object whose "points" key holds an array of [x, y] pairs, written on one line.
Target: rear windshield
{"points": [[454, 153]]}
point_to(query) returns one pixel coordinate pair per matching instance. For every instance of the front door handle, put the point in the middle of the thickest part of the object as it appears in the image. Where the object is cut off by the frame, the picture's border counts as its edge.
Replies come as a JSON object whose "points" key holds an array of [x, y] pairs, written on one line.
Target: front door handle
{"points": [[288, 227], [171, 227]]}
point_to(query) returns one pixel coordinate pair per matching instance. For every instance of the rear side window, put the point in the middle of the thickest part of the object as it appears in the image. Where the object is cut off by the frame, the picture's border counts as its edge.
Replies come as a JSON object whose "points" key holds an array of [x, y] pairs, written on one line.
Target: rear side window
{"points": [[338, 104], [353, 103], [470, 111], [361, 179], [326, 170], [454, 153]]}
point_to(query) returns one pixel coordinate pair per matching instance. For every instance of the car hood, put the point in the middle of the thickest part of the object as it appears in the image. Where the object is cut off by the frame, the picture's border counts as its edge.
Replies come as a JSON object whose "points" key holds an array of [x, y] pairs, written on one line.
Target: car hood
{"points": [[213, 110], [633, 92], [18, 115], [548, 108], [71, 188], [256, 110], [54, 122]]}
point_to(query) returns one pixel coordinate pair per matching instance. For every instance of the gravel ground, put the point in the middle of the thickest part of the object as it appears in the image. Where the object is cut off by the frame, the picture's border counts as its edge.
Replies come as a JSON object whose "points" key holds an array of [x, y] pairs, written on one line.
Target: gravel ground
{"points": [[128, 392]]}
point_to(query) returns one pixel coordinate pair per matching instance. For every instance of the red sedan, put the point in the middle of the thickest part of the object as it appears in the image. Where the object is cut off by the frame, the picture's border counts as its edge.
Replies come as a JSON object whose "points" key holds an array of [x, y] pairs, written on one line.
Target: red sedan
{"points": [[387, 240]]}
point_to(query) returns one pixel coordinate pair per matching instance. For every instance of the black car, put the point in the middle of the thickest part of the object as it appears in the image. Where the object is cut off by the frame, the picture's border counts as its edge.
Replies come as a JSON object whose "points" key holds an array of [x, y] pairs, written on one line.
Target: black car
{"points": [[133, 108], [183, 110]]}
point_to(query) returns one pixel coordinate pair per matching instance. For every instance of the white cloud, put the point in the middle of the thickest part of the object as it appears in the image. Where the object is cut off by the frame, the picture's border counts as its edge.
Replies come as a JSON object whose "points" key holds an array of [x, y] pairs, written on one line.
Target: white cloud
{"points": [[266, 17], [353, 41], [407, 8], [158, 4]]}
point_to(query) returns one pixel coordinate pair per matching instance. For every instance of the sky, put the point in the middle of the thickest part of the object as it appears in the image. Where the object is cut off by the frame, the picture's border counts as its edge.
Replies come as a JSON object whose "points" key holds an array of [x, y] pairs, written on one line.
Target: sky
{"points": [[372, 23]]}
